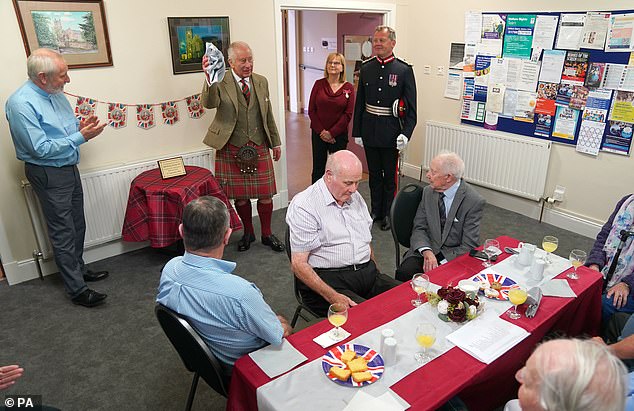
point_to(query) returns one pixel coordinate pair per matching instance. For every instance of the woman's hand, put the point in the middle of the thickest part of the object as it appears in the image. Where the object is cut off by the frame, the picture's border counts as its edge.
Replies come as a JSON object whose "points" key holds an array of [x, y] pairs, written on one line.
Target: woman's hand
{"points": [[327, 137], [620, 291]]}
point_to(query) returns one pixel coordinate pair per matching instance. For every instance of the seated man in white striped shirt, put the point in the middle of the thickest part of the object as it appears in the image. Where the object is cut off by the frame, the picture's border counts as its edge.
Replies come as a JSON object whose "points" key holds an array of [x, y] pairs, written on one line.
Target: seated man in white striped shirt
{"points": [[330, 239], [228, 312]]}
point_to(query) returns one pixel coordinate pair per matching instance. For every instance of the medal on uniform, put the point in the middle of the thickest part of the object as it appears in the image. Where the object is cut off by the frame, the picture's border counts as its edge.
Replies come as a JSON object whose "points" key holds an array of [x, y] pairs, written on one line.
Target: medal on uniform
{"points": [[393, 80]]}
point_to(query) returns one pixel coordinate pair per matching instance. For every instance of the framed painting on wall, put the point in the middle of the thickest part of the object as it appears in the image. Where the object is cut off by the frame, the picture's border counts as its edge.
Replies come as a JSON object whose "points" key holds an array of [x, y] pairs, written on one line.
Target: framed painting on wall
{"points": [[76, 29], [188, 38]]}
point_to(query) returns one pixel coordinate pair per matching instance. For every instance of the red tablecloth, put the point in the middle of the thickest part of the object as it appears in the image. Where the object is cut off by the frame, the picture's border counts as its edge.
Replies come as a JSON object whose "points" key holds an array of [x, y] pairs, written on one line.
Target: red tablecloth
{"points": [[481, 386], [155, 206]]}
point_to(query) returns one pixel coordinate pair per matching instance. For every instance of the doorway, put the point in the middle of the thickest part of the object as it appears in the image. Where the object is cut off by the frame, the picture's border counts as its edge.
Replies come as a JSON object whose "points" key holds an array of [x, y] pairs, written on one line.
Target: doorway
{"points": [[309, 34]]}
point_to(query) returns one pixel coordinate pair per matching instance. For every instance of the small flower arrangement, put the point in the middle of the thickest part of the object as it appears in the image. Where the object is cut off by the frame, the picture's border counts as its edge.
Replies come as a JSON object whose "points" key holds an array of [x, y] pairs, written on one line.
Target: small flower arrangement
{"points": [[454, 305]]}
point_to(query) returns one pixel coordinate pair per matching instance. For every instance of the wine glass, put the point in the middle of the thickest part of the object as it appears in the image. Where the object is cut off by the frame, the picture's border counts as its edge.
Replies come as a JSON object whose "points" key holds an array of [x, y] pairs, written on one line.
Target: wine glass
{"points": [[517, 296], [420, 284], [549, 244], [577, 259], [426, 337], [337, 316], [491, 248]]}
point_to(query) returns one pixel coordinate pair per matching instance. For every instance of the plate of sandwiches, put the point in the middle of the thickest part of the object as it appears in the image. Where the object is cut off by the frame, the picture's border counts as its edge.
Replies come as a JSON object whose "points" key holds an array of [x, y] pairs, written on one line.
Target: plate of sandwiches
{"points": [[353, 365]]}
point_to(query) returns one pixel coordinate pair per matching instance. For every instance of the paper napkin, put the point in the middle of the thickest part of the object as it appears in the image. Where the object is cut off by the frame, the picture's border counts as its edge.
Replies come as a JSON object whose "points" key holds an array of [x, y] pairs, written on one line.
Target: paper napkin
{"points": [[326, 339], [362, 401], [558, 288], [276, 360]]}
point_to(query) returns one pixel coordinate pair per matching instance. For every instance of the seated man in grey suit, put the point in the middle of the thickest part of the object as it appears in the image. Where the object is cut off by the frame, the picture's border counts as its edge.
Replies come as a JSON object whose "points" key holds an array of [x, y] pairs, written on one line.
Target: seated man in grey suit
{"points": [[447, 222]]}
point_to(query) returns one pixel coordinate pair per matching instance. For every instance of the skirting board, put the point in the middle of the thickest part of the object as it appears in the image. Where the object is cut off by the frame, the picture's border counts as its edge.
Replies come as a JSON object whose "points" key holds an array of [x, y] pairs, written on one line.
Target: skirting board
{"points": [[531, 209], [25, 270]]}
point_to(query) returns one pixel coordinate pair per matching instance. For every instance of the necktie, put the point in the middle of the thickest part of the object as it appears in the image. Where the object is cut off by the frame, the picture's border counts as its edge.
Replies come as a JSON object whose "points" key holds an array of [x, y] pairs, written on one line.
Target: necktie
{"points": [[245, 91], [442, 210]]}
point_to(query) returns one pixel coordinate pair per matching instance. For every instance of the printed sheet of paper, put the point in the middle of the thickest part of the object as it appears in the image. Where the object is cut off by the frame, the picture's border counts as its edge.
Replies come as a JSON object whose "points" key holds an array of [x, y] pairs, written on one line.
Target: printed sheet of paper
{"points": [[482, 71], [598, 105], [493, 32], [499, 71], [525, 109], [468, 86], [590, 136], [627, 79], [565, 123], [618, 138], [552, 66], [529, 73], [612, 76], [620, 33], [595, 30], [575, 67], [495, 98], [514, 67], [595, 75], [510, 103], [487, 337], [544, 34], [518, 37], [570, 31], [472, 26], [623, 107], [473, 110], [454, 84]]}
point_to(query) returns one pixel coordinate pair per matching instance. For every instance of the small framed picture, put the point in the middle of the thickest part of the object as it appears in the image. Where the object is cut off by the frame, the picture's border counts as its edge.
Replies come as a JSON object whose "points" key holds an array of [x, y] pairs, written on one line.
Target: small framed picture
{"points": [[188, 38], [76, 29], [172, 167]]}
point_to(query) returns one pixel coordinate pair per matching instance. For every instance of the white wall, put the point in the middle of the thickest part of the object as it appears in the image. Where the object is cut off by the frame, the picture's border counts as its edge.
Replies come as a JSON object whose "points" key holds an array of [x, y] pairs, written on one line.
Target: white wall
{"points": [[142, 73], [593, 185], [313, 26]]}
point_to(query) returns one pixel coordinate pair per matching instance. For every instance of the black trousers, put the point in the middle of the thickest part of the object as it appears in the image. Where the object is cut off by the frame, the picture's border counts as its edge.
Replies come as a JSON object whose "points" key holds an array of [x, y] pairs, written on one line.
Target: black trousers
{"points": [[412, 265], [382, 170], [359, 285], [62, 199], [321, 149]]}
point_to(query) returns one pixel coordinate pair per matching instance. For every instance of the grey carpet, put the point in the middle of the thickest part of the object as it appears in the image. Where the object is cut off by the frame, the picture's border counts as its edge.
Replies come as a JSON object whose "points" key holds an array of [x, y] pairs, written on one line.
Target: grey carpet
{"points": [[115, 357]]}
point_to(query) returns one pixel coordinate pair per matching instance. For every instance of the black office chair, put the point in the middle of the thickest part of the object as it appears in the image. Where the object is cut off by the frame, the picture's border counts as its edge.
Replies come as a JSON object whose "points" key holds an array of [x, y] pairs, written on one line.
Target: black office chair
{"points": [[402, 215], [298, 296], [193, 351]]}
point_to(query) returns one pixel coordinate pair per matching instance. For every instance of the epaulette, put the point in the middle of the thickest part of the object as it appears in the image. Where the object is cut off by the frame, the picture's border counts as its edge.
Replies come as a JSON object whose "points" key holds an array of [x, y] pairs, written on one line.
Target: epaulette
{"points": [[370, 59], [403, 61]]}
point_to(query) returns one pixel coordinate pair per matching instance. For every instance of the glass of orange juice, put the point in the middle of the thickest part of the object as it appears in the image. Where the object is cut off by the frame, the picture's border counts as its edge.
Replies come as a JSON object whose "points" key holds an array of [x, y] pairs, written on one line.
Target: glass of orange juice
{"points": [[550, 244], [425, 337], [577, 259], [517, 296], [337, 316]]}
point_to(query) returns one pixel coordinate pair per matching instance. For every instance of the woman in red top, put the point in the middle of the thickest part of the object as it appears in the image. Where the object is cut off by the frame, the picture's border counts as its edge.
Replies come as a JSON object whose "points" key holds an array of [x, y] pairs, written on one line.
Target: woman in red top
{"points": [[330, 109]]}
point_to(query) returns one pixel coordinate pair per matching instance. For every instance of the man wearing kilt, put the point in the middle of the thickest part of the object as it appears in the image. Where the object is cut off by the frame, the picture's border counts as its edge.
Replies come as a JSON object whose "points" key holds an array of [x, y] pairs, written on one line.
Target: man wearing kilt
{"points": [[243, 131]]}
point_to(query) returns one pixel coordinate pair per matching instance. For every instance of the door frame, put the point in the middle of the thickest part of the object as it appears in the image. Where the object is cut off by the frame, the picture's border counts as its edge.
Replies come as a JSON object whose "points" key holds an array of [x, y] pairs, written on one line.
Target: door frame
{"points": [[387, 9]]}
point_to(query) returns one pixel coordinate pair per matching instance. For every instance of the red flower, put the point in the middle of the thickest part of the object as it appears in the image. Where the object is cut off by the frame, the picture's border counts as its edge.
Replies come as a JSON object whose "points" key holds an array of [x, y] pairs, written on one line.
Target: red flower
{"points": [[455, 296], [457, 315]]}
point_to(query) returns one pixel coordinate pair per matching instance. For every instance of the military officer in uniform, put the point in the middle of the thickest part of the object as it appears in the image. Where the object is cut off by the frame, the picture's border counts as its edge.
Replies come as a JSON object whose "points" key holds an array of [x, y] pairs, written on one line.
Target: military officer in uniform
{"points": [[243, 131], [384, 118]]}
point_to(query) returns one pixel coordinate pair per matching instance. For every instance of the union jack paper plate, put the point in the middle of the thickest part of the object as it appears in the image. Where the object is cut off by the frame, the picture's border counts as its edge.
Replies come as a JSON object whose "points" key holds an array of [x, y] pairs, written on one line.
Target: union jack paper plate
{"points": [[333, 359], [490, 278]]}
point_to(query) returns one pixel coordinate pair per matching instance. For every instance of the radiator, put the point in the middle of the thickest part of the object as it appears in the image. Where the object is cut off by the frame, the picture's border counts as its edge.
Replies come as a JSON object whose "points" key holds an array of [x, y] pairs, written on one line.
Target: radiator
{"points": [[496, 160], [105, 200]]}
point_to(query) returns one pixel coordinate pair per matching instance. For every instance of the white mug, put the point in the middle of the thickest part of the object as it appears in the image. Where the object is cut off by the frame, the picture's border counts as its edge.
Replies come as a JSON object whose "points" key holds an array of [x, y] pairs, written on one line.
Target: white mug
{"points": [[527, 252], [537, 269]]}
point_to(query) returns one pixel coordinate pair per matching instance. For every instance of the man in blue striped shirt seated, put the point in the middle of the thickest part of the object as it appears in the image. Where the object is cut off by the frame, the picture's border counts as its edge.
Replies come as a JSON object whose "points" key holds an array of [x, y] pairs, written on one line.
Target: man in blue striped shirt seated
{"points": [[228, 311]]}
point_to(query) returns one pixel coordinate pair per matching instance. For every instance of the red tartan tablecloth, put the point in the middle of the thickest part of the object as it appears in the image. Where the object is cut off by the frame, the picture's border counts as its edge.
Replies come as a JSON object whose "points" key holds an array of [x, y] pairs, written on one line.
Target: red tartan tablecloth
{"points": [[155, 206], [481, 386]]}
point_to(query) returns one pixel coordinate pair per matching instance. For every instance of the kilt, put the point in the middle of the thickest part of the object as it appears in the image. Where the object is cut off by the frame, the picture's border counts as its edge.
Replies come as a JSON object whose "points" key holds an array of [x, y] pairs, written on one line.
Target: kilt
{"points": [[240, 186]]}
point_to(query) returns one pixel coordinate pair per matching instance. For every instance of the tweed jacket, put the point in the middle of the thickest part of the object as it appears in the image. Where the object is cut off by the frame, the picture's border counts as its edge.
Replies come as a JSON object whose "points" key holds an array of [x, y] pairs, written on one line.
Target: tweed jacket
{"points": [[223, 96]]}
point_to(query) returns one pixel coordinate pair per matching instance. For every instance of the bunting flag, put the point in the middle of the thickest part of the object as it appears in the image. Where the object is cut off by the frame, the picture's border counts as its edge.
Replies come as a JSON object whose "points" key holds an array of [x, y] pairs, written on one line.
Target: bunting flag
{"points": [[194, 107], [117, 115], [145, 116], [169, 111], [85, 107]]}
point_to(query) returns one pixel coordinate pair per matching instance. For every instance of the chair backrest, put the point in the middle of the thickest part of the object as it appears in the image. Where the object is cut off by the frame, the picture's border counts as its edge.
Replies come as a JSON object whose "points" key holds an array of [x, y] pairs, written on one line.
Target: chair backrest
{"points": [[192, 349], [402, 216], [287, 243]]}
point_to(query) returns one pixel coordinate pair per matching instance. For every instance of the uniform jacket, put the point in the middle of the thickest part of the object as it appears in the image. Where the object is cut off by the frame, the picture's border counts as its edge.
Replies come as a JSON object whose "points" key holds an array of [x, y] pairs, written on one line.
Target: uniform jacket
{"points": [[462, 227], [379, 85], [223, 96]]}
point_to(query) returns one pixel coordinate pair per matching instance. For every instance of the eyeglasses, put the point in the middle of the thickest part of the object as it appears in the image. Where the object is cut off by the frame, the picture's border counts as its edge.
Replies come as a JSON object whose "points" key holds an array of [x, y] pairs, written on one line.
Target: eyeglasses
{"points": [[334, 63]]}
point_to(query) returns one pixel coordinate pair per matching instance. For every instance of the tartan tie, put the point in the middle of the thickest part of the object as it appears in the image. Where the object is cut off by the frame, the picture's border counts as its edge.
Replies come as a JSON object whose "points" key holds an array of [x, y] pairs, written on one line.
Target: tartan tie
{"points": [[443, 211], [245, 91]]}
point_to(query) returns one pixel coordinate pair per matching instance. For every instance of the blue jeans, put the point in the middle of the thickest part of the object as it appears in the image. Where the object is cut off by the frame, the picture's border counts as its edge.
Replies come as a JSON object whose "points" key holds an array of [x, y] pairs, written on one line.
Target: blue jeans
{"points": [[608, 309]]}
